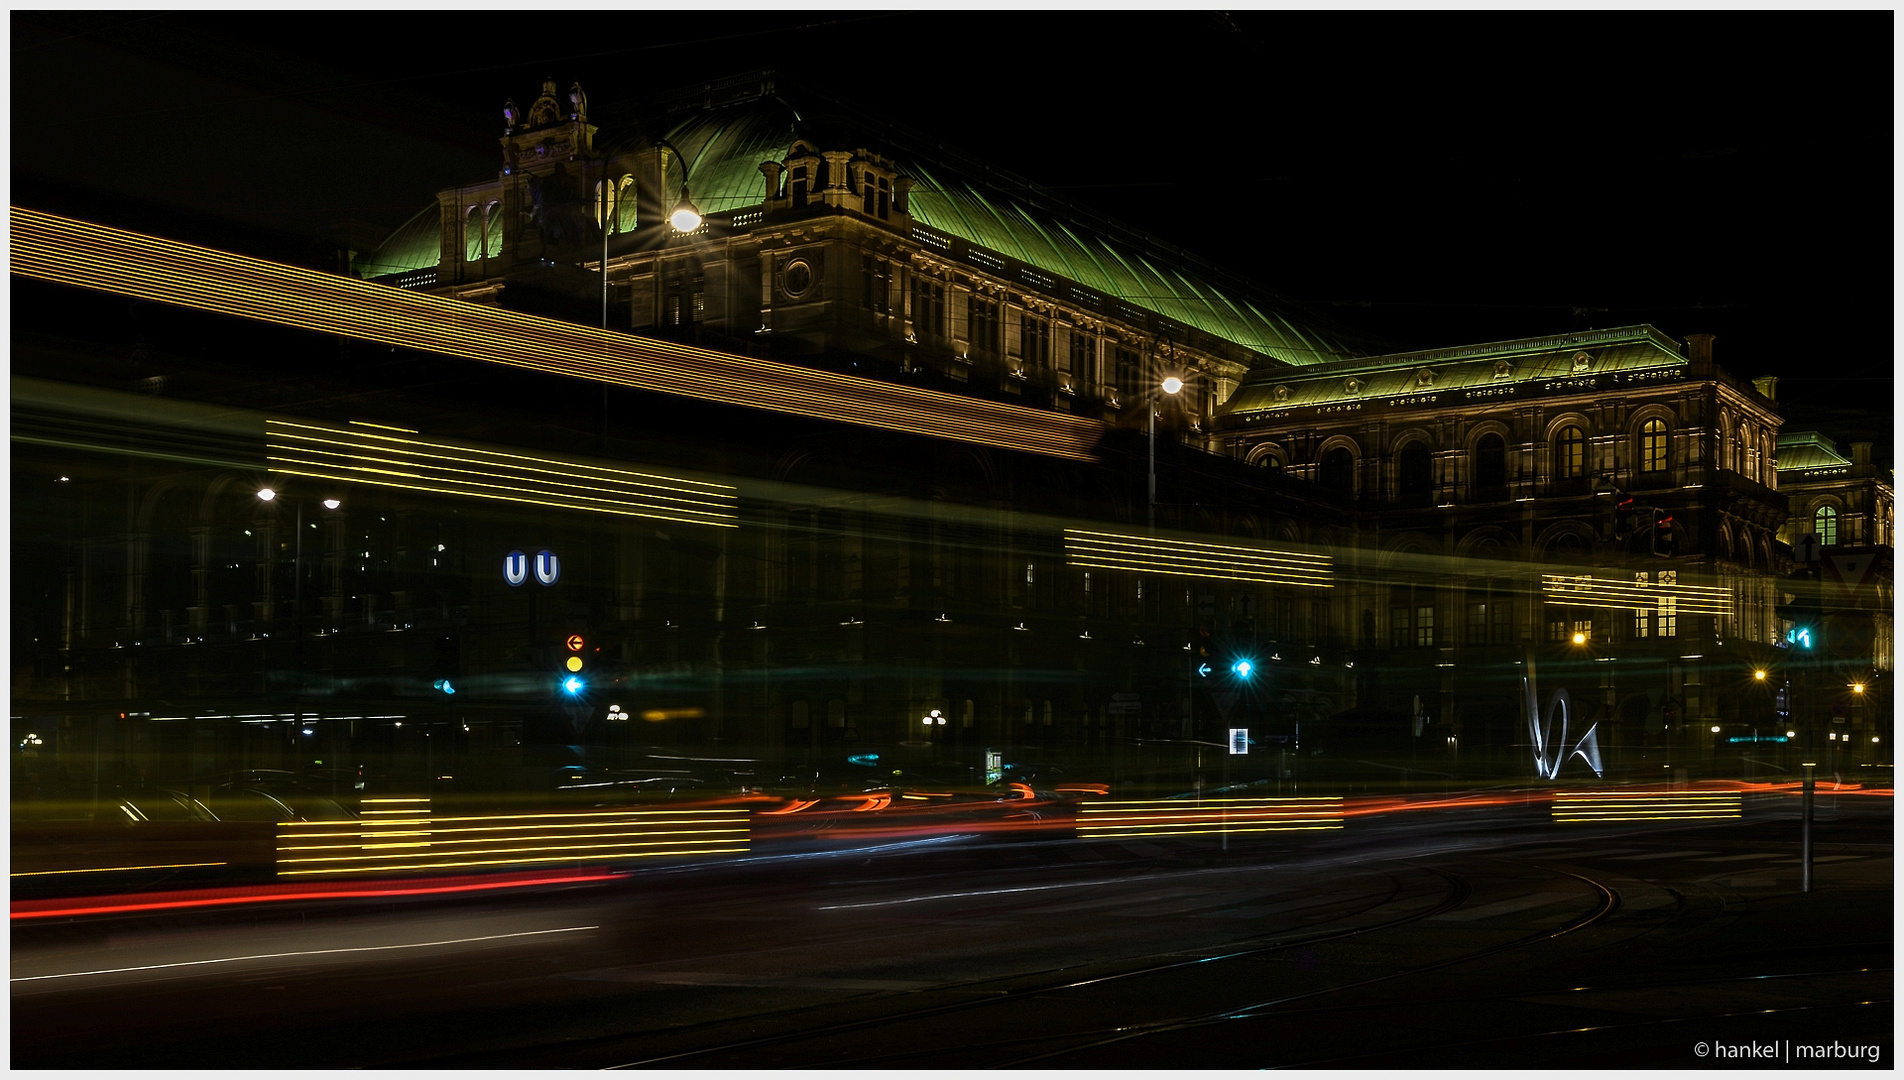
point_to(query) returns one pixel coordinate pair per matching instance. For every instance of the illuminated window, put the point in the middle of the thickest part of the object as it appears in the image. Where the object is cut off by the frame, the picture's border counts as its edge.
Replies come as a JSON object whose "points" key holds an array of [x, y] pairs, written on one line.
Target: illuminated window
{"points": [[493, 230], [1570, 454], [473, 234], [1653, 446], [1642, 616], [1825, 524], [1668, 613], [1424, 624]]}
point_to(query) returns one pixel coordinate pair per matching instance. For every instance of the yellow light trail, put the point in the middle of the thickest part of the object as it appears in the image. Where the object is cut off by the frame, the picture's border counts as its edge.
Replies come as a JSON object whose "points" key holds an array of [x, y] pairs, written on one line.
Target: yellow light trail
{"points": [[331, 452], [1190, 558], [330, 847], [1588, 591], [91, 256], [1174, 817], [1647, 806], [112, 869]]}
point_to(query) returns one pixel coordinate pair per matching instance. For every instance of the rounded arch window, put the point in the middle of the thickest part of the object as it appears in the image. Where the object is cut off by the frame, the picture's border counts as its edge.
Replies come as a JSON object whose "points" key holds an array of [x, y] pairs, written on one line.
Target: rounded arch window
{"points": [[473, 234], [1338, 471], [1825, 524], [1653, 446], [1415, 472], [1570, 454], [1490, 462]]}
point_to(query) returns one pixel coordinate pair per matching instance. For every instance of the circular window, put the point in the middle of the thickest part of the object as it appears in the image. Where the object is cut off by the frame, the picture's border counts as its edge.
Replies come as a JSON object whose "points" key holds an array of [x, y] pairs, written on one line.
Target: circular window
{"points": [[797, 278]]}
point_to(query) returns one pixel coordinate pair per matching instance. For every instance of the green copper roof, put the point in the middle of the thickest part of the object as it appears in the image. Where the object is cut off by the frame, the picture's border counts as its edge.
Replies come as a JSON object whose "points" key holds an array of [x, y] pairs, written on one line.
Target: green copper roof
{"points": [[1473, 372], [723, 149], [416, 244], [1807, 450]]}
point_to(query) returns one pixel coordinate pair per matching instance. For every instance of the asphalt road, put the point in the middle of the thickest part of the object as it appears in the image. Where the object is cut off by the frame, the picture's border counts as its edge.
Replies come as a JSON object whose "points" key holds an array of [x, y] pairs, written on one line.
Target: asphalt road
{"points": [[1468, 938]]}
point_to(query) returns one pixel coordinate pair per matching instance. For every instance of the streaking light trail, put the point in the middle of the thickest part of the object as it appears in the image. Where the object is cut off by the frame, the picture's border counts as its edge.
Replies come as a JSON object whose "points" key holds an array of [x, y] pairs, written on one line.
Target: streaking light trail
{"points": [[1190, 558], [1177, 817], [306, 952], [90, 256], [332, 452]]}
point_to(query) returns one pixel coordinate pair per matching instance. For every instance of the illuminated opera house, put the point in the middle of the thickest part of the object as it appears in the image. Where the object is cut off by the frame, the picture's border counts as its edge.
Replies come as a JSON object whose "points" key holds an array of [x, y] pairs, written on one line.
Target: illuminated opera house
{"points": [[746, 427]]}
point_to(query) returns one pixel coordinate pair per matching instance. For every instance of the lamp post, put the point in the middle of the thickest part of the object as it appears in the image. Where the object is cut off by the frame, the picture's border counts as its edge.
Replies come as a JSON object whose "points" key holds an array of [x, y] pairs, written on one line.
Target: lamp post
{"points": [[297, 596], [1170, 385]]}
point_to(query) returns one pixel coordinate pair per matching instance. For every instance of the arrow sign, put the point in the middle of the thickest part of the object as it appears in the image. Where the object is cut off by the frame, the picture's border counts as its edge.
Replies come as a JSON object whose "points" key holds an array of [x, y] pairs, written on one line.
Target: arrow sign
{"points": [[1203, 670], [574, 643]]}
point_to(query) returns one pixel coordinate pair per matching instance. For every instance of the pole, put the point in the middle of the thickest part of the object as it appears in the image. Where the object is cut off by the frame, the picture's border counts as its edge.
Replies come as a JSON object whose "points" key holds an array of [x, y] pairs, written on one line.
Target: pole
{"points": [[1804, 849], [1150, 424]]}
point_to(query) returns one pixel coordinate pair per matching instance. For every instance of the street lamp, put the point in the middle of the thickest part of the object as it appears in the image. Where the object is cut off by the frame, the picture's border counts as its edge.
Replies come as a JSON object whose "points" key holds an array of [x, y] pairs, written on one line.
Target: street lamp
{"points": [[1170, 385]]}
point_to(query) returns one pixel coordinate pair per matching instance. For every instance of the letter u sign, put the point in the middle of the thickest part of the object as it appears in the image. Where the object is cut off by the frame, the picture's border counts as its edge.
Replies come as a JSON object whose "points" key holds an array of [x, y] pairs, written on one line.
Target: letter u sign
{"points": [[515, 567]]}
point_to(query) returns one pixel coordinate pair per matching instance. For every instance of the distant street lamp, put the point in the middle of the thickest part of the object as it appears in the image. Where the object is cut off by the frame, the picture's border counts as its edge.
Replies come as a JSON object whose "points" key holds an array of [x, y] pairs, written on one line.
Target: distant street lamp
{"points": [[1170, 385]]}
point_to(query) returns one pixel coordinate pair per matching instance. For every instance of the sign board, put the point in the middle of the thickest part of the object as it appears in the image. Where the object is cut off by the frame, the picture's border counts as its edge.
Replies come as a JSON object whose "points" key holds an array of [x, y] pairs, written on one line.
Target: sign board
{"points": [[1849, 571], [994, 766], [1239, 740], [1807, 548]]}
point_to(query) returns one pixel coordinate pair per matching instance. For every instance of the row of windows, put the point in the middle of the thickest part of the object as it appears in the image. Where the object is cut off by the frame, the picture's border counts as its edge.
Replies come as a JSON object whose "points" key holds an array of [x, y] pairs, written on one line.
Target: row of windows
{"points": [[1414, 463]]}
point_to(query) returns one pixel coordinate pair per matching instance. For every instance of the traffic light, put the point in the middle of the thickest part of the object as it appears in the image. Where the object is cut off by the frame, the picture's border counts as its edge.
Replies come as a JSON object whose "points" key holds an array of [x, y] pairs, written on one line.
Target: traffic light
{"points": [[572, 663], [1623, 517], [1663, 543], [1244, 667], [447, 668]]}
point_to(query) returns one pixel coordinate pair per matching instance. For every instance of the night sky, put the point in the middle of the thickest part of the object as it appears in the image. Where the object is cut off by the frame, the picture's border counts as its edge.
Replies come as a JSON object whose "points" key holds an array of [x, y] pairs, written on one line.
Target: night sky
{"points": [[1435, 178]]}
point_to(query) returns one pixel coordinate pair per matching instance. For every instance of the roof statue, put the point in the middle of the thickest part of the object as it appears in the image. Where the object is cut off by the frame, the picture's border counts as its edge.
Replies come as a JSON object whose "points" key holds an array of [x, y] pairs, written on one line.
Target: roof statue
{"points": [[511, 116], [546, 109], [578, 103]]}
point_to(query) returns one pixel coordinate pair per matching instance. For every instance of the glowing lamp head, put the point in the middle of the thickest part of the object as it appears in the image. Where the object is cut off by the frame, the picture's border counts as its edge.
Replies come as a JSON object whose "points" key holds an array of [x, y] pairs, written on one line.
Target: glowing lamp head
{"points": [[1715, 729], [685, 217], [1857, 688], [1172, 385], [1579, 638], [266, 494], [1759, 674], [332, 504]]}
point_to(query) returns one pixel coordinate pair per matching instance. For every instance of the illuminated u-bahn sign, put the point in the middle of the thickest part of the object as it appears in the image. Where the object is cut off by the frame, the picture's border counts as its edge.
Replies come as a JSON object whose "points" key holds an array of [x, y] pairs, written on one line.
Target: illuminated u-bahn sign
{"points": [[515, 568]]}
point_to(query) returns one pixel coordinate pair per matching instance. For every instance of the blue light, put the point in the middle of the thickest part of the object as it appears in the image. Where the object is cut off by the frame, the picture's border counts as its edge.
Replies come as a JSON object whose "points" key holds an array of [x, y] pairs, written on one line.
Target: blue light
{"points": [[1242, 668], [863, 759], [1799, 636], [444, 685], [573, 684]]}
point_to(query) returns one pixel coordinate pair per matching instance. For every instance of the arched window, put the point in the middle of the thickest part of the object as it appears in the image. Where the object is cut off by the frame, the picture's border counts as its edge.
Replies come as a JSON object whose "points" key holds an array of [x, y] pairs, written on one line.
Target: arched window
{"points": [[625, 204], [473, 234], [1570, 454], [492, 230], [1740, 455], [1653, 446], [1338, 471], [1825, 524], [1415, 471], [1490, 463]]}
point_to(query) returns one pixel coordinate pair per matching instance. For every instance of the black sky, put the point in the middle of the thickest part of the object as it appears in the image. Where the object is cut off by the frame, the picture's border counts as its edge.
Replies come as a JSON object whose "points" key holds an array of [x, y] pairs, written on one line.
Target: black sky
{"points": [[1438, 178]]}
